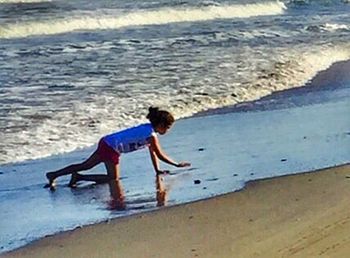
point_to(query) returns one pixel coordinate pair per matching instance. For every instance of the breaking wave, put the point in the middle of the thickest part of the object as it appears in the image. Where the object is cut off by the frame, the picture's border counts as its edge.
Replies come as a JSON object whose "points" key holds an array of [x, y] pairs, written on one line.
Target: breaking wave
{"points": [[87, 121], [139, 18]]}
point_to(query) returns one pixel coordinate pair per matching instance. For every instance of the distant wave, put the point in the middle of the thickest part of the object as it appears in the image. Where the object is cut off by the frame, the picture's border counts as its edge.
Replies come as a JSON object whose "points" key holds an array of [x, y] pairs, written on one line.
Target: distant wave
{"points": [[317, 2], [140, 18], [22, 1], [328, 27]]}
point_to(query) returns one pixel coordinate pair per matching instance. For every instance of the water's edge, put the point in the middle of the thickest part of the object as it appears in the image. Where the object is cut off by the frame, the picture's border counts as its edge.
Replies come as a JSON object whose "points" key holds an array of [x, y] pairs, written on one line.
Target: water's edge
{"points": [[243, 158]]}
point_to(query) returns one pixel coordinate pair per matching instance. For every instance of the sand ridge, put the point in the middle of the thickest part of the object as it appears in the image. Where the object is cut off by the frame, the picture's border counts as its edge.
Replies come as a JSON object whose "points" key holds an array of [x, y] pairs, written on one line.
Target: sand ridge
{"points": [[303, 215]]}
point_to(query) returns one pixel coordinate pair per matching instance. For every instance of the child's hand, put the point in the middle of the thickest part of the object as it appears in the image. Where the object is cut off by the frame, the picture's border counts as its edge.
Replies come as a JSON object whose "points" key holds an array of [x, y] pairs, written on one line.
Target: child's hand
{"points": [[183, 164], [162, 172]]}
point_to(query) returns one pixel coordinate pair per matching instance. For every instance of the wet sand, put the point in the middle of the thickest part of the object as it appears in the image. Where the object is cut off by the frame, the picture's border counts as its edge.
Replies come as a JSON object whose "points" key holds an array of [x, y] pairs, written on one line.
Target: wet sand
{"points": [[305, 215]]}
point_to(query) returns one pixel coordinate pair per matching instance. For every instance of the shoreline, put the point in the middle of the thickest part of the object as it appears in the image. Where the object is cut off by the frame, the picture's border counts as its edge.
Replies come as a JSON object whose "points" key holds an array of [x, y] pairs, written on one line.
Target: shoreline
{"points": [[324, 81], [304, 214], [281, 99], [290, 151]]}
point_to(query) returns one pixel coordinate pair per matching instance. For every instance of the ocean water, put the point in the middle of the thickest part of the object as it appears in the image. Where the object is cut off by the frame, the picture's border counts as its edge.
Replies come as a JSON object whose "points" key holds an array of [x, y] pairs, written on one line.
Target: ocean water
{"points": [[71, 71], [226, 151]]}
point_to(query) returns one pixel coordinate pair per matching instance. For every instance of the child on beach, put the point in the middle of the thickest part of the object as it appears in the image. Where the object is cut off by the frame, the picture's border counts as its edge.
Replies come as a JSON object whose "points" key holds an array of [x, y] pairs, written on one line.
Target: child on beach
{"points": [[110, 147]]}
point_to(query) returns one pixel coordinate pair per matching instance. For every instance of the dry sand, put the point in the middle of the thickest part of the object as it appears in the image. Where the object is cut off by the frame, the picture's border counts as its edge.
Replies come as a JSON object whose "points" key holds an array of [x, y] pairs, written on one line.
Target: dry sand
{"points": [[305, 215]]}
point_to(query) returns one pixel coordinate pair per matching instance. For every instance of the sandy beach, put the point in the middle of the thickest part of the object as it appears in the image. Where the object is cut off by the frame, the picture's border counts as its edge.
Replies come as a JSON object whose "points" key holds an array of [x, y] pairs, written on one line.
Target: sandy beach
{"points": [[305, 215], [260, 93], [301, 215]]}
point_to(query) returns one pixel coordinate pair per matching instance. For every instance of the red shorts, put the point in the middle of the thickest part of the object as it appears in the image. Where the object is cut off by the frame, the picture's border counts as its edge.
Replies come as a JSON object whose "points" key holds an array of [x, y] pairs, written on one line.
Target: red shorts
{"points": [[107, 153]]}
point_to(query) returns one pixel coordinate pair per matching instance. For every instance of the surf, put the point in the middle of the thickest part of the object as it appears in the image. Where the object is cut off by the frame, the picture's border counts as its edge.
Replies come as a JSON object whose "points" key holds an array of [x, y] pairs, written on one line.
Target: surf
{"points": [[22, 1], [161, 16], [286, 69]]}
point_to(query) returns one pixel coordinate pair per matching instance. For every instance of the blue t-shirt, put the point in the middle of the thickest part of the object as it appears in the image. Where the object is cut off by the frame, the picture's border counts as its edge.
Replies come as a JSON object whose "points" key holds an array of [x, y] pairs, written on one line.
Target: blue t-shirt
{"points": [[130, 139]]}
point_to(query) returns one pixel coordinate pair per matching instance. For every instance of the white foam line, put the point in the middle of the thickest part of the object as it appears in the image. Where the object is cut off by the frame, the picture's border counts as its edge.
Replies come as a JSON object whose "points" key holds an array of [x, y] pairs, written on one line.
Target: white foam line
{"points": [[140, 18], [22, 1], [293, 68]]}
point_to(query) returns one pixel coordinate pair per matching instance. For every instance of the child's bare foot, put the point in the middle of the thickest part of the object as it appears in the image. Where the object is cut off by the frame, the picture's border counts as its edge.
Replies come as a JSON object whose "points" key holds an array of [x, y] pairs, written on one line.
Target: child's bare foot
{"points": [[73, 180], [51, 179]]}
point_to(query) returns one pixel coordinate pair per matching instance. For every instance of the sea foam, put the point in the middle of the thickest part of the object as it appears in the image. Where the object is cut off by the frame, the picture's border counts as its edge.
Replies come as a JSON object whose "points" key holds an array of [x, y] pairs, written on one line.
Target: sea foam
{"points": [[22, 1], [86, 121], [96, 21]]}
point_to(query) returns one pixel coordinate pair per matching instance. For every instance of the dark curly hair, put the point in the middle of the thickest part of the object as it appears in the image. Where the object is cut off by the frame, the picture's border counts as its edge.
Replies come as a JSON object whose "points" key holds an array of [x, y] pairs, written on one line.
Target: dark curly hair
{"points": [[160, 117]]}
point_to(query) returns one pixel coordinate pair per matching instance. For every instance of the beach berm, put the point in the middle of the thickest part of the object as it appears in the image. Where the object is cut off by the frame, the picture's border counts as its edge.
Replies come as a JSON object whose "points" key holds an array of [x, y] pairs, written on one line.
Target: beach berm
{"points": [[305, 215]]}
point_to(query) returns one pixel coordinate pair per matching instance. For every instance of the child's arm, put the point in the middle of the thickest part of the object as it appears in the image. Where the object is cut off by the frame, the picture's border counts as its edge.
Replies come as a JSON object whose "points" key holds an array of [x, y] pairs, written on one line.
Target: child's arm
{"points": [[155, 162], [157, 152]]}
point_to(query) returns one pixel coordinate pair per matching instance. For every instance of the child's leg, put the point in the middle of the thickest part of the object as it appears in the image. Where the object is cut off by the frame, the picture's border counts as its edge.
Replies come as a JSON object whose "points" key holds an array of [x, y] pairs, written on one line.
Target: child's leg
{"points": [[92, 161], [98, 179], [113, 174], [117, 194], [112, 170]]}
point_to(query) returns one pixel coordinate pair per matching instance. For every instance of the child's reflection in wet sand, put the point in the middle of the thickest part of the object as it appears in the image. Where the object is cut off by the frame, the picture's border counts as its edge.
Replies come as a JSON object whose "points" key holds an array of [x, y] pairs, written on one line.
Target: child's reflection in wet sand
{"points": [[118, 199], [161, 191]]}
